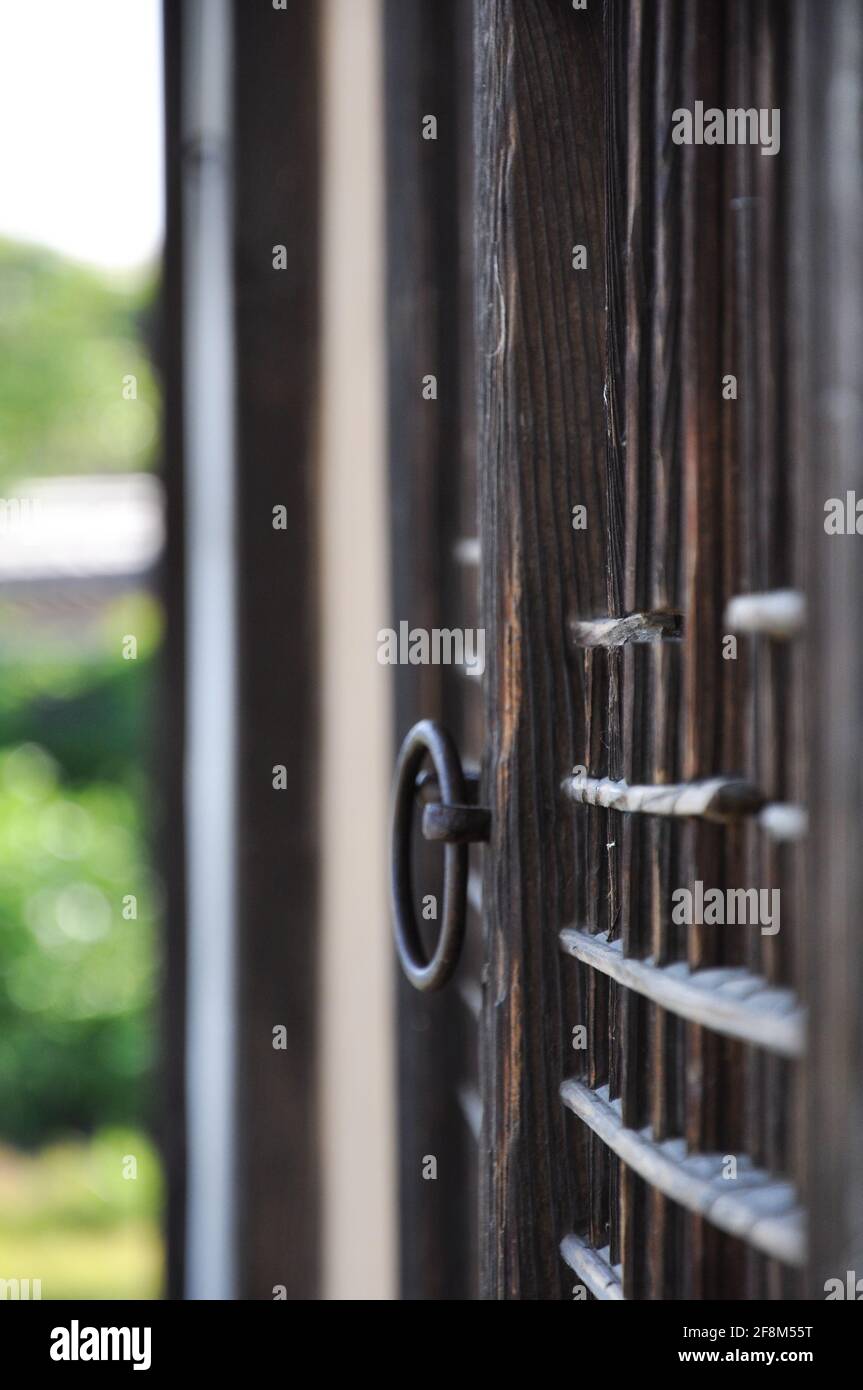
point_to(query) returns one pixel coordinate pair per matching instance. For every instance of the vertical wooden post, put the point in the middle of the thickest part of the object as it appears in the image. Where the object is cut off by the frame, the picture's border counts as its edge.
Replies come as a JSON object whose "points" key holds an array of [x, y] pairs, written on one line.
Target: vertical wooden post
{"points": [[276, 156], [829, 354], [424, 338], [541, 353]]}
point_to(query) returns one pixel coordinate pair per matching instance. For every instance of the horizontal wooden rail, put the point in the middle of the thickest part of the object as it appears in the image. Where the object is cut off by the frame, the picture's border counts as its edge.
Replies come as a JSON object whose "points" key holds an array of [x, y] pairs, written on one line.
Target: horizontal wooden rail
{"points": [[593, 1268], [729, 1000], [715, 798], [783, 821], [634, 627], [779, 613], [756, 1207]]}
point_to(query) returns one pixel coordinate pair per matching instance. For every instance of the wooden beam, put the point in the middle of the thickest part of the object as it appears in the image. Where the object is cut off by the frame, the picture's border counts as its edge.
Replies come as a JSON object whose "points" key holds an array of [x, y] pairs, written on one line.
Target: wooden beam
{"points": [[426, 313], [593, 1268], [754, 1206], [541, 449], [729, 1000], [780, 613], [712, 798], [276, 173]]}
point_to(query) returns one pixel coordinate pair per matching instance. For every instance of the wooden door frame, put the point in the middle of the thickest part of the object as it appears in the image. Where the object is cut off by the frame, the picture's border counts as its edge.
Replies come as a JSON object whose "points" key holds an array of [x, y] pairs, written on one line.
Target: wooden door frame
{"points": [[270, 165], [423, 40]]}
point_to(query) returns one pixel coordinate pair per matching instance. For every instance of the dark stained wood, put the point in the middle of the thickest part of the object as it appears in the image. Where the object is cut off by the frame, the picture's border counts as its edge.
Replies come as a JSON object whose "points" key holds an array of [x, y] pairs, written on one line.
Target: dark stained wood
{"points": [[696, 267], [429, 313], [664, 1221], [643, 391], [623, 723], [541, 444], [276, 142], [769, 537], [604, 387], [741, 466], [799, 407], [706, 523]]}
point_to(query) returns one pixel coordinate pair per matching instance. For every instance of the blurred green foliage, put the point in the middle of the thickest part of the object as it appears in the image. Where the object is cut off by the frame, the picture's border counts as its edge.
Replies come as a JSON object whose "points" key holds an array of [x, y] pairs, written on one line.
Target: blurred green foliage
{"points": [[68, 337], [76, 976], [78, 972], [78, 980], [93, 712], [69, 1217], [81, 1183]]}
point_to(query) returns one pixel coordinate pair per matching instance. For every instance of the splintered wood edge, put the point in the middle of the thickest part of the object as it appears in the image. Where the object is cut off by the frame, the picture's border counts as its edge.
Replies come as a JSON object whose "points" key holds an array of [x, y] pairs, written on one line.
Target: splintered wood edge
{"points": [[634, 627]]}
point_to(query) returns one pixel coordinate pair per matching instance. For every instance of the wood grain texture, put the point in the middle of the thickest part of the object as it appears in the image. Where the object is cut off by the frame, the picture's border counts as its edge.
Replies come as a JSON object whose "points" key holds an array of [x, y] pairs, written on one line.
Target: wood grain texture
{"points": [[693, 507], [643, 389], [539, 138], [706, 522], [696, 287], [276, 101]]}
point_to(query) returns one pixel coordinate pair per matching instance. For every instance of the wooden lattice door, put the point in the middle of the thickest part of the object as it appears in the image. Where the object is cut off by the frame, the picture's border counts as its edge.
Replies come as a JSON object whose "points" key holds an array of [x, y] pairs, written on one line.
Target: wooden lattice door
{"points": [[643, 442]]}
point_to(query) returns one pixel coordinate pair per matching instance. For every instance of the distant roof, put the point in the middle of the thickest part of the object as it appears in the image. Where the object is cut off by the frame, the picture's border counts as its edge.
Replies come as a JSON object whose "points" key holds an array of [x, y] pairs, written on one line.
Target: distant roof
{"points": [[59, 531]]}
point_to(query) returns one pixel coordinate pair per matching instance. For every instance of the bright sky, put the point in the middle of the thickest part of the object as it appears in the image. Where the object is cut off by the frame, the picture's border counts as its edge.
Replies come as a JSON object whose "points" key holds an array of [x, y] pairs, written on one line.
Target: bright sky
{"points": [[81, 127]]}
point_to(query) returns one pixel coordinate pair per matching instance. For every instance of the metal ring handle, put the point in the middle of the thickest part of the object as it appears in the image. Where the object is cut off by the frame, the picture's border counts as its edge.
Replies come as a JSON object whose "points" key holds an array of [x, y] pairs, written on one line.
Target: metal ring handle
{"points": [[456, 824]]}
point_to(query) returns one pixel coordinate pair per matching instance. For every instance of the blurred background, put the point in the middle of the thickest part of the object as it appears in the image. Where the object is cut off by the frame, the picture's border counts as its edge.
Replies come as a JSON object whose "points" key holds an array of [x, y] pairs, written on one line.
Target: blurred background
{"points": [[81, 529], [163, 649], [232, 255]]}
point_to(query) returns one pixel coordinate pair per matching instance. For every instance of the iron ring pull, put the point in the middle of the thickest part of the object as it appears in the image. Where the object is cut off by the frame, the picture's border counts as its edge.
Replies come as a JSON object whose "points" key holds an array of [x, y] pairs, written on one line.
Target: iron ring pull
{"points": [[448, 819]]}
